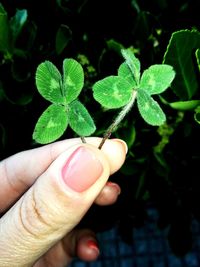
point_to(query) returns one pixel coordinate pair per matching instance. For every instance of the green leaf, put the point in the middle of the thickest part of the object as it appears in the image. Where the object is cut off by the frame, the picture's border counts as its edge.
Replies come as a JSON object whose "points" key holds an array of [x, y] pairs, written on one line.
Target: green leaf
{"points": [[4, 30], [157, 78], [112, 92], [114, 45], [180, 54], [49, 82], [133, 63], [80, 120], [73, 79], [125, 72], [17, 23], [197, 53], [63, 36], [197, 114], [51, 124], [185, 105], [149, 109]]}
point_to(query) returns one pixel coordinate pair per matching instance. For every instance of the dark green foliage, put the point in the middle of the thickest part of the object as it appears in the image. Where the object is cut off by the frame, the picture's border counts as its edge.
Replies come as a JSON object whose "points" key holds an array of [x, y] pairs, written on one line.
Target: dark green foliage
{"points": [[162, 166]]}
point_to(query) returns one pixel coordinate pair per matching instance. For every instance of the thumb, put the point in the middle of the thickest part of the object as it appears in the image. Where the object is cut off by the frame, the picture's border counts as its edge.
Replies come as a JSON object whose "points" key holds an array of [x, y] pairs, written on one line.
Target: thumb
{"points": [[55, 204]]}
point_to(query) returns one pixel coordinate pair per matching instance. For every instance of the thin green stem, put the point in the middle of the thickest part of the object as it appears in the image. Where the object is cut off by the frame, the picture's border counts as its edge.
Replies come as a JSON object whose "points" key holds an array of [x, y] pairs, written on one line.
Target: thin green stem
{"points": [[118, 119]]}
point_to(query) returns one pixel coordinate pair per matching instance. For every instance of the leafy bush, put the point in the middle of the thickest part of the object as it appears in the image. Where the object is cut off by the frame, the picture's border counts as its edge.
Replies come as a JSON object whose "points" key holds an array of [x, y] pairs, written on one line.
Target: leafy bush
{"points": [[162, 164]]}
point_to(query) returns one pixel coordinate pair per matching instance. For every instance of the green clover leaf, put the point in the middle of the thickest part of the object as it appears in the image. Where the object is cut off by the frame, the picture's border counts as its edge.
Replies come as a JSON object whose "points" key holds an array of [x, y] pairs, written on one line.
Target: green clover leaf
{"points": [[51, 124], [49, 82], [73, 79], [133, 63], [157, 78], [125, 72], [112, 92], [149, 109], [80, 120]]}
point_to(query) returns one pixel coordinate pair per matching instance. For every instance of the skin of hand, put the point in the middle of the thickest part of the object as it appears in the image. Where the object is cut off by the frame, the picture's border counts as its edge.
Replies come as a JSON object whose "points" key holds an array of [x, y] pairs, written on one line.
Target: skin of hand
{"points": [[44, 194]]}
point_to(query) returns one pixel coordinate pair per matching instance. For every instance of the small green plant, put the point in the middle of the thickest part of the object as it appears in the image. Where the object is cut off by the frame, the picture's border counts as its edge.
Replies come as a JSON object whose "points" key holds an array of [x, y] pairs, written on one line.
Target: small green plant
{"points": [[122, 90], [112, 92], [65, 108]]}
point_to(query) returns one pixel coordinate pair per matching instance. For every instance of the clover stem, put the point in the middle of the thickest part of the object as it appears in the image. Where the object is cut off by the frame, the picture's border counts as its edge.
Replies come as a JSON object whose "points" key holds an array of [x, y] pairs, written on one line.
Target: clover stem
{"points": [[83, 140], [118, 119]]}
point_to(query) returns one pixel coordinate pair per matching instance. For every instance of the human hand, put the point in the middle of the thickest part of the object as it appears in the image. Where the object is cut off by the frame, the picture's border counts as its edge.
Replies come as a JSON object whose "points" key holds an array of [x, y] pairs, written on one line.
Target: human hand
{"points": [[45, 192]]}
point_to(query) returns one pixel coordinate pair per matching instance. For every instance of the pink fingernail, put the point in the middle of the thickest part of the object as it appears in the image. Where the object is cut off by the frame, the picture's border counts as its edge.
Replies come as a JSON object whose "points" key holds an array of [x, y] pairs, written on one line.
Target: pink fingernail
{"points": [[82, 169], [115, 186], [93, 245]]}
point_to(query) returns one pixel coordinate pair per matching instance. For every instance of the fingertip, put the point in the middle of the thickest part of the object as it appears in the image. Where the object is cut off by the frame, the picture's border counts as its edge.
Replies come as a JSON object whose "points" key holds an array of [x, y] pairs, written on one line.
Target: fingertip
{"points": [[115, 150], [122, 143], [88, 248], [109, 194]]}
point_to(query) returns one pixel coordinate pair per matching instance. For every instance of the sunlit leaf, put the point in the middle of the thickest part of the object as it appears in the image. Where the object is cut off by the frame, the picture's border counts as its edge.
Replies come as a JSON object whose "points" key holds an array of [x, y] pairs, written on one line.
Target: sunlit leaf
{"points": [[125, 72], [185, 105], [157, 78], [112, 92], [49, 82], [73, 79], [133, 63], [80, 120], [149, 109], [51, 124]]}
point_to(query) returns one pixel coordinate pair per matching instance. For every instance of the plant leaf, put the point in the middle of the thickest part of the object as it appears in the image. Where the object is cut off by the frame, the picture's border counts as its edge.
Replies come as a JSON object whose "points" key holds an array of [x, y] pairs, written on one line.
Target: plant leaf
{"points": [[4, 30], [197, 114], [157, 78], [179, 54], [17, 23], [125, 72], [112, 92], [49, 82], [197, 53], [115, 46], [133, 63], [63, 36], [51, 124], [73, 79], [80, 120], [185, 105], [149, 109]]}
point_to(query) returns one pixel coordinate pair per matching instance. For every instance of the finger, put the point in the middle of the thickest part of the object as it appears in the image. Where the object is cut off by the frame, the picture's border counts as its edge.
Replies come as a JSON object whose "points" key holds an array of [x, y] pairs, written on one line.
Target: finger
{"points": [[56, 203], [20, 171], [79, 243], [109, 194]]}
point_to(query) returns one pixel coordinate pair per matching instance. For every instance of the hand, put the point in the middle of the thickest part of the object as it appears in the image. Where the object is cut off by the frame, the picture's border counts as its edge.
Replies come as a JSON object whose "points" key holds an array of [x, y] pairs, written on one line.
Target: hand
{"points": [[45, 192]]}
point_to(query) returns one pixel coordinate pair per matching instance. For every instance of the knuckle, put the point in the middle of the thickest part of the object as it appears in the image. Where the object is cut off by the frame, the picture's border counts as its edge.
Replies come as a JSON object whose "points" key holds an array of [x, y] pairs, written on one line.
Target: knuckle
{"points": [[32, 215]]}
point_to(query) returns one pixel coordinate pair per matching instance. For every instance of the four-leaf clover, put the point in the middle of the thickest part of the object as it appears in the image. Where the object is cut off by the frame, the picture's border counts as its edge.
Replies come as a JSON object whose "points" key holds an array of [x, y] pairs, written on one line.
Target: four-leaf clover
{"points": [[65, 109], [119, 91]]}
